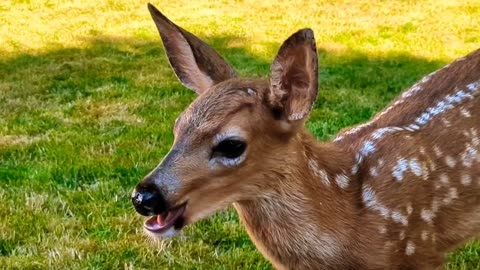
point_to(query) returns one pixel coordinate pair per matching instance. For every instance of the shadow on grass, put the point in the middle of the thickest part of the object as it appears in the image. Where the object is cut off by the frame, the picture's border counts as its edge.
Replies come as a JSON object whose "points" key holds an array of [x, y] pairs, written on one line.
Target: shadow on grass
{"points": [[73, 72], [66, 91], [127, 65]]}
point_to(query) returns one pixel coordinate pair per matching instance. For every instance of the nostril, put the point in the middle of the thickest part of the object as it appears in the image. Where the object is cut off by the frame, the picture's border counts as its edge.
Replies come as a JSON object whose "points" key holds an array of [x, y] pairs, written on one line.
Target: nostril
{"points": [[148, 203], [137, 198]]}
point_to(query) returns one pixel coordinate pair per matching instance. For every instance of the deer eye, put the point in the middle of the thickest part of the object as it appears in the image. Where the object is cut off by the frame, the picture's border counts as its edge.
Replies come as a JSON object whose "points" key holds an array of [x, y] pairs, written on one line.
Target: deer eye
{"points": [[229, 148]]}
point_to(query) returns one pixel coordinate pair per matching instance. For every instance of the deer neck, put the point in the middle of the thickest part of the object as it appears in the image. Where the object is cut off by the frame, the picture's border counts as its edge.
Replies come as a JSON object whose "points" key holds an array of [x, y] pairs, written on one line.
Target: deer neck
{"points": [[308, 210]]}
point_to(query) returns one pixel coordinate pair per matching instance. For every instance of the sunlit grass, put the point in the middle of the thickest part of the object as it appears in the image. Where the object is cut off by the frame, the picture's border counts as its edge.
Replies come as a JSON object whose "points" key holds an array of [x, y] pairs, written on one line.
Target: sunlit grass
{"points": [[87, 103]]}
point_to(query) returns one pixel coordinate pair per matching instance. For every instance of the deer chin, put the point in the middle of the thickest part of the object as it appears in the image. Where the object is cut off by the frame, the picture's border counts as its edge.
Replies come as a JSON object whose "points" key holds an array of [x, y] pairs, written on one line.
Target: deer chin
{"points": [[167, 223]]}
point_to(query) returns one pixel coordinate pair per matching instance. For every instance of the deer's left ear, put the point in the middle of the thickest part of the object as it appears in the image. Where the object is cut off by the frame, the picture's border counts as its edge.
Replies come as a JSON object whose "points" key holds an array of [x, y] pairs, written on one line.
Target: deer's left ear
{"points": [[294, 76], [197, 65]]}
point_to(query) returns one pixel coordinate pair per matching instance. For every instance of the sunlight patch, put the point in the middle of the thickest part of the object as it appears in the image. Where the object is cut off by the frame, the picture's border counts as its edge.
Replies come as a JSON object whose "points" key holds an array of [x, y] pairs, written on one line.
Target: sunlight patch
{"points": [[20, 140]]}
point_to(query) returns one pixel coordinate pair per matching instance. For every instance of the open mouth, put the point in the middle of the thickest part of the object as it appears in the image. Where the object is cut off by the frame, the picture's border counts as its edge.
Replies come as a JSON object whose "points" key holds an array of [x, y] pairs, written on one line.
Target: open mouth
{"points": [[161, 223]]}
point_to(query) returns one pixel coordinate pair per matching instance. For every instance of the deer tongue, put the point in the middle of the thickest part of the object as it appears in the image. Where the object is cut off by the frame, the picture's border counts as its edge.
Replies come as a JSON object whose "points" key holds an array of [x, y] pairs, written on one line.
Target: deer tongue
{"points": [[156, 223], [161, 219], [164, 221]]}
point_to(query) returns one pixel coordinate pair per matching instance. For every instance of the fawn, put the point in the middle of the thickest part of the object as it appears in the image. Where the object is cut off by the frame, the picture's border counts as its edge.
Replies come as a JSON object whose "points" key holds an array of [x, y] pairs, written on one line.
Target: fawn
{"points": [[395, 193]]}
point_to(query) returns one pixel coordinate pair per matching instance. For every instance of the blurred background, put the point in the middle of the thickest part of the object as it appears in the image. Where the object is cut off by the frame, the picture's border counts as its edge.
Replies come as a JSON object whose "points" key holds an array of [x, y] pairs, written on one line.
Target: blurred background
{"points": [[88, 101]]}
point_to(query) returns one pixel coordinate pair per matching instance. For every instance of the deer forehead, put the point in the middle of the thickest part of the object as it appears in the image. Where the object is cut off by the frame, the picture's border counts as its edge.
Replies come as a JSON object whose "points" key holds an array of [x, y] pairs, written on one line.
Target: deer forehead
{"points": [[212, 111]]}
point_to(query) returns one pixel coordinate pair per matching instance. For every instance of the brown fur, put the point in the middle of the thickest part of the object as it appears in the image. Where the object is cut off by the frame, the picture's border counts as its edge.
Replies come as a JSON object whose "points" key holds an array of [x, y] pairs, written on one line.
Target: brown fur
{"points": [[289, 191]]}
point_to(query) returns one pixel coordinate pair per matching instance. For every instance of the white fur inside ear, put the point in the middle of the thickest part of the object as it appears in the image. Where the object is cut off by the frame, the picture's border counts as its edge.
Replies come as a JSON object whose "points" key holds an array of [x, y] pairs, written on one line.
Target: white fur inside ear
{"points": [[296, 116]]}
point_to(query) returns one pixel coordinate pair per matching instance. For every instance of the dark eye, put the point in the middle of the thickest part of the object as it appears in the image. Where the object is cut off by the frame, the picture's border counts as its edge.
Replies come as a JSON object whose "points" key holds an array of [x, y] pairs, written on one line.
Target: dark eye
{"points": [[229, 148]]}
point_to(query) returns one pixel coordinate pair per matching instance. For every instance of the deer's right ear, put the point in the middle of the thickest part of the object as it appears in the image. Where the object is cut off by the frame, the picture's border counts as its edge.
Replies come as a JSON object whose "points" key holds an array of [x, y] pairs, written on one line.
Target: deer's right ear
{"points": [[294, 76], [196, 64]]}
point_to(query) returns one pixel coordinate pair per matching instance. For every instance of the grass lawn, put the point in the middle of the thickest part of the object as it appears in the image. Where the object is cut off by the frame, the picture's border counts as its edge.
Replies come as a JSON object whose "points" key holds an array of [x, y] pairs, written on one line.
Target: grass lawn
{"points": [[88, 101]]}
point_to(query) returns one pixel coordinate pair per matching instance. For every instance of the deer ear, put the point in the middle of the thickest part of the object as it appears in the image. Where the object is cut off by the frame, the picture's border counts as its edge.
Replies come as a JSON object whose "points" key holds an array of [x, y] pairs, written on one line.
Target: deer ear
{"points": [[196, 64], [294, 76]]}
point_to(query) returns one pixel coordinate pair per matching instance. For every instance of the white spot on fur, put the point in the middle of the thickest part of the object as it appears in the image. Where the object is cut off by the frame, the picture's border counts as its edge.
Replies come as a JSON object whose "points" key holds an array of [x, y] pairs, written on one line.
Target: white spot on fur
{"points": [[370, 200], [409, 129], [401, 235], [444, 178], [474, 137], [432, 165], [382, 229], [425, 173], [452, 193], [447, 200], [423, 119], [472, 87], [437, 151], [466, 179], [342, 180], [374, 172], [425, 235], [427, 215], [449, 102], [469, 155], [435, 206], [409, 209], [355, 169], [450, 161], [399, 218], [410, 249], [322, 174], [399, 169], [446, 122], [381, 162], [367, 148], [465, 113], [414, 127], [415, 166]]}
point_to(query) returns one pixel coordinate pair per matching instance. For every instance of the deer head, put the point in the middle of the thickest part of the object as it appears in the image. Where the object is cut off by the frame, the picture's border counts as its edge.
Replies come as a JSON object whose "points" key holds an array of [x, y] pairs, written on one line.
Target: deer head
{"points": [[233, 134]]}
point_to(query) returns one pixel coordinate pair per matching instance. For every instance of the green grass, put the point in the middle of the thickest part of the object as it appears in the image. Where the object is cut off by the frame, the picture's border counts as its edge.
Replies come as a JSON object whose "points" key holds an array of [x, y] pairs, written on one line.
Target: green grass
{"points": [[88, 100]]}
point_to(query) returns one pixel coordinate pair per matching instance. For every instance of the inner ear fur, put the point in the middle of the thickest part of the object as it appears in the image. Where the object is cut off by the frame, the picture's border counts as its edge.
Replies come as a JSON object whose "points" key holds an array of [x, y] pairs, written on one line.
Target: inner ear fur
{"points": [[197, 65], [294, 76]]}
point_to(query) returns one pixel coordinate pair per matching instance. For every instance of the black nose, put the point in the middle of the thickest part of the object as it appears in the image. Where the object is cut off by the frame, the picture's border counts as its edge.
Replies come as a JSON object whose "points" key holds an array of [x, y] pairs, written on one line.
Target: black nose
{"points": [[148, 200]]}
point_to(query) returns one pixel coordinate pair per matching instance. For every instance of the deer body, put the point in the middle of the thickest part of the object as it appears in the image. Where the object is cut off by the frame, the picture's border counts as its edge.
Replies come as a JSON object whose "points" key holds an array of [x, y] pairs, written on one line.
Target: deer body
{"points": [[395, 193]]}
